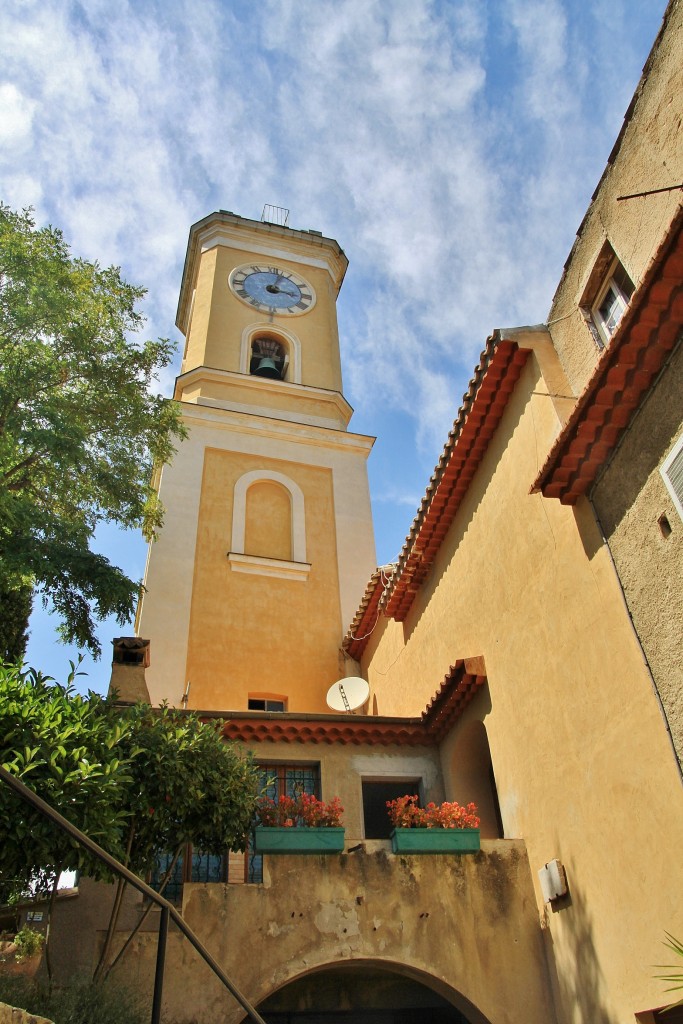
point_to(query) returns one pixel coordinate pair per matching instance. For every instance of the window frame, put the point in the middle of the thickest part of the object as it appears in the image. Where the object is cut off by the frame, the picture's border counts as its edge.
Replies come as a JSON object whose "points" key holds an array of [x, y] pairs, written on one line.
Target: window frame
{"points": [[286, 338], [253, 863], [607, 272], [621, 296], [266, 699], [296, 569], [674, 456]]}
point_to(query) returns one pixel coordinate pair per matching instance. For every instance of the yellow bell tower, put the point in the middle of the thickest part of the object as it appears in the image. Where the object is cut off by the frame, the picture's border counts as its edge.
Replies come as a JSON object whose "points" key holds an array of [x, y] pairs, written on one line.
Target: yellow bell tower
{"points": [[267, 541]]}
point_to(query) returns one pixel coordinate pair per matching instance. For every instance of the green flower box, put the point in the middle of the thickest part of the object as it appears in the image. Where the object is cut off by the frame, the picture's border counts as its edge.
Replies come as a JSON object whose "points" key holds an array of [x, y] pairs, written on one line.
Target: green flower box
{"points": [[299, 839], [435, 840]]}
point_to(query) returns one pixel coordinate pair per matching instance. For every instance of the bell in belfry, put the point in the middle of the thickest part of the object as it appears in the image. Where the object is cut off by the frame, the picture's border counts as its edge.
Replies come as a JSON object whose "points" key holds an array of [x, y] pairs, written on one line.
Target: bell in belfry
{"points": [[266, 367]]}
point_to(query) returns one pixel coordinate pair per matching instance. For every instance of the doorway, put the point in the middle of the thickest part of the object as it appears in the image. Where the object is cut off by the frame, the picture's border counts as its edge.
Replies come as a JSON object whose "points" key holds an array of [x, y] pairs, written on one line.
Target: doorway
{"points": [[362, 994], [376, 821]]}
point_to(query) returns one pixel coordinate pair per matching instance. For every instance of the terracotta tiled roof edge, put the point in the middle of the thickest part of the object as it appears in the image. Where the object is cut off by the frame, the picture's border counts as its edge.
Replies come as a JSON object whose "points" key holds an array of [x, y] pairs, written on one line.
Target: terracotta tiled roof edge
{"points": [[494, 379], [457, 689], [354, 730]]}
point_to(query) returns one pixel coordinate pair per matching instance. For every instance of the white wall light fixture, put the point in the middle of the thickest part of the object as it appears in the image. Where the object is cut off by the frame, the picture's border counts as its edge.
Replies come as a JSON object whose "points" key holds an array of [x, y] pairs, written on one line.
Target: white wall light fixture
{"points": [[553, 880]]}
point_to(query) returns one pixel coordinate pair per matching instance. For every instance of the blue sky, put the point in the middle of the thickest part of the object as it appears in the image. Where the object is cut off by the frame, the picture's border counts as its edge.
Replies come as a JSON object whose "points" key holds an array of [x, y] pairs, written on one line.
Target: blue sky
{"points": [[450, 147]]}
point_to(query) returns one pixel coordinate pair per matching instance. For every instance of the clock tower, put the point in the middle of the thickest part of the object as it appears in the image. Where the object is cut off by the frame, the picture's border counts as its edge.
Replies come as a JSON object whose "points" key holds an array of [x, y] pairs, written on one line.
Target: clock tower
{"points": [[267, 540]]}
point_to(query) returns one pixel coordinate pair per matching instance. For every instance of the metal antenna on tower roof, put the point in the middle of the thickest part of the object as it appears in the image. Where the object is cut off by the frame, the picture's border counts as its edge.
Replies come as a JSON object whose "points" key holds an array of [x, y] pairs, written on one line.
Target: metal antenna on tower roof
{"points": [[275, 215]]}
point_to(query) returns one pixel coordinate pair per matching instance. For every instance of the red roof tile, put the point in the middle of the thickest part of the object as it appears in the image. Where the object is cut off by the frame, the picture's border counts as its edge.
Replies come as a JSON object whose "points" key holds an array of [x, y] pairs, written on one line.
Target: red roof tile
{"points": [[646, 335], [327, 729], [458, 688]]}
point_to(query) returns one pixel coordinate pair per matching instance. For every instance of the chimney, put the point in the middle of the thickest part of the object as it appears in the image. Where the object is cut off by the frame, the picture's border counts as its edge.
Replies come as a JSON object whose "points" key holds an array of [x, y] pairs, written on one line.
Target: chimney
{"points": [[129, 661]]}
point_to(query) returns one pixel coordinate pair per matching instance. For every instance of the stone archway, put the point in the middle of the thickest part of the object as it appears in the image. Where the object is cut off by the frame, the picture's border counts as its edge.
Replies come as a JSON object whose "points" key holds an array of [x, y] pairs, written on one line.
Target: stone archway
{"points": [[366, 993]]}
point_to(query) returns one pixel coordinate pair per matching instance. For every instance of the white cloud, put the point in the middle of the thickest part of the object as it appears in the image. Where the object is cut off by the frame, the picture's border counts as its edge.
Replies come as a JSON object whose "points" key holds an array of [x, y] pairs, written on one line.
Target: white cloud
{"points": [[17, 117]]}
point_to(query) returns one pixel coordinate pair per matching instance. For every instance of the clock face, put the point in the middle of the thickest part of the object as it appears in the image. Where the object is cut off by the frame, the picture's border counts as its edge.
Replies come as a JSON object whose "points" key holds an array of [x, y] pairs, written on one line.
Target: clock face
{"points": [[271, 289]]}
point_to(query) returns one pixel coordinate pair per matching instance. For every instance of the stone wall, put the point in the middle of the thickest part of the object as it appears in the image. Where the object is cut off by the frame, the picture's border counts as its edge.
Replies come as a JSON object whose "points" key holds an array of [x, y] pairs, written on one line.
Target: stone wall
{"points": [[630, 499], [464, 926], [13, 1015]]}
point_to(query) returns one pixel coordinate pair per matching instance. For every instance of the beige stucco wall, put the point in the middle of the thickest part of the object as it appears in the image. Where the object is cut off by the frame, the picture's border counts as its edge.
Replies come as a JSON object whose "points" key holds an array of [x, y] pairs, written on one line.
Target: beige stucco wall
{"points": [[263, 397], [582, 761], [649, 157], [630, 497], [78, 925], [464, 925]]}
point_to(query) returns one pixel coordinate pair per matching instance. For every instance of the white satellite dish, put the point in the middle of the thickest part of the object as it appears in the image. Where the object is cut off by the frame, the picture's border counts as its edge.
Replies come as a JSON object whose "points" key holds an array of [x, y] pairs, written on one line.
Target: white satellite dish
{"points": [[348, 694]]}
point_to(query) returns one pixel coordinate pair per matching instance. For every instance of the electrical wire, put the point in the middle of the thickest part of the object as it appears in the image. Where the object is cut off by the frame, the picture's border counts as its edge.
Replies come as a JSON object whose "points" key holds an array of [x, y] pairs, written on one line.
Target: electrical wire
{"points": [[385, 580]]}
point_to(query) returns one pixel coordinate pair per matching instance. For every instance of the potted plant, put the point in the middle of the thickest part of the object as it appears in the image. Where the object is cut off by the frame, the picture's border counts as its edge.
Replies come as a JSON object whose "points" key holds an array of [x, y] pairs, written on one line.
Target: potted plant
{"points": [[301, 824], [22, 954], [446, 828]]}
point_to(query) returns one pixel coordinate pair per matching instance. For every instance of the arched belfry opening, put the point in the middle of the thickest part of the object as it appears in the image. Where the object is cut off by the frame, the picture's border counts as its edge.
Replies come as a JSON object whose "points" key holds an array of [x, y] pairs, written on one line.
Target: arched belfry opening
{"points": [[268, 358], [363, 994]]}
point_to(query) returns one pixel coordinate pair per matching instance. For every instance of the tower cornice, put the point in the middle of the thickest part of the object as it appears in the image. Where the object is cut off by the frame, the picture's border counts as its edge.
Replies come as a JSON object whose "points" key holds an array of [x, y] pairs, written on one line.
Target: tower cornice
{"points": [[257, 390], [309, 434]]}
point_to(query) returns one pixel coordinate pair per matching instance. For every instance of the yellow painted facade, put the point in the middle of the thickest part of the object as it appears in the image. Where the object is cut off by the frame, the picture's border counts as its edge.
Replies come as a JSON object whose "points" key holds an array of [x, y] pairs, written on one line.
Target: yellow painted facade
{"points": [[267, 540], [251, 633], [209, 344], [631, 498]]}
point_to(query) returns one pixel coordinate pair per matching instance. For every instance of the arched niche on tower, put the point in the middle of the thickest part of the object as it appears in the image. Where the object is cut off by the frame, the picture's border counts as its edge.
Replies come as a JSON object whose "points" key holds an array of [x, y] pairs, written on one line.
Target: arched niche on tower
{"points": [[287, 341], [268, 520], [275, 543]]}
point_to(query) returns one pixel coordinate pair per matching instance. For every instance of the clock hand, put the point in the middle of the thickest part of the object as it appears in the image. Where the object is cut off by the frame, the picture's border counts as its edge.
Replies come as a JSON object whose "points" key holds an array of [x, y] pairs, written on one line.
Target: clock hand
{"points": [[275, 290]]}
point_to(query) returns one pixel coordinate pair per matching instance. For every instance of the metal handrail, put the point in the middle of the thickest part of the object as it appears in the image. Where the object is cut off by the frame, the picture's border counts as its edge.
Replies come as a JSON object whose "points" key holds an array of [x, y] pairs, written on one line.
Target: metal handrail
{"points": [[167, 909]]}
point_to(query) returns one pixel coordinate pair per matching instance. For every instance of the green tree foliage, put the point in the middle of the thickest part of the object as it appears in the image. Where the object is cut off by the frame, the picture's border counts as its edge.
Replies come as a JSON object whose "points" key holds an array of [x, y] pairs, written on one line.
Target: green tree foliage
{"points": [[190, 786], [79, 429], [15, 609], [67, 749], [77, 1002], [138, 781]]}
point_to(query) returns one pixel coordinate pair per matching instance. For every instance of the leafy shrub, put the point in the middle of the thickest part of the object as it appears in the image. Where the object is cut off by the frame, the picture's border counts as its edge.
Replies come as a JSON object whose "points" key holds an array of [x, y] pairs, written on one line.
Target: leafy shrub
{"points": [[77, 1003], [675, 971], [28, 943]]}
